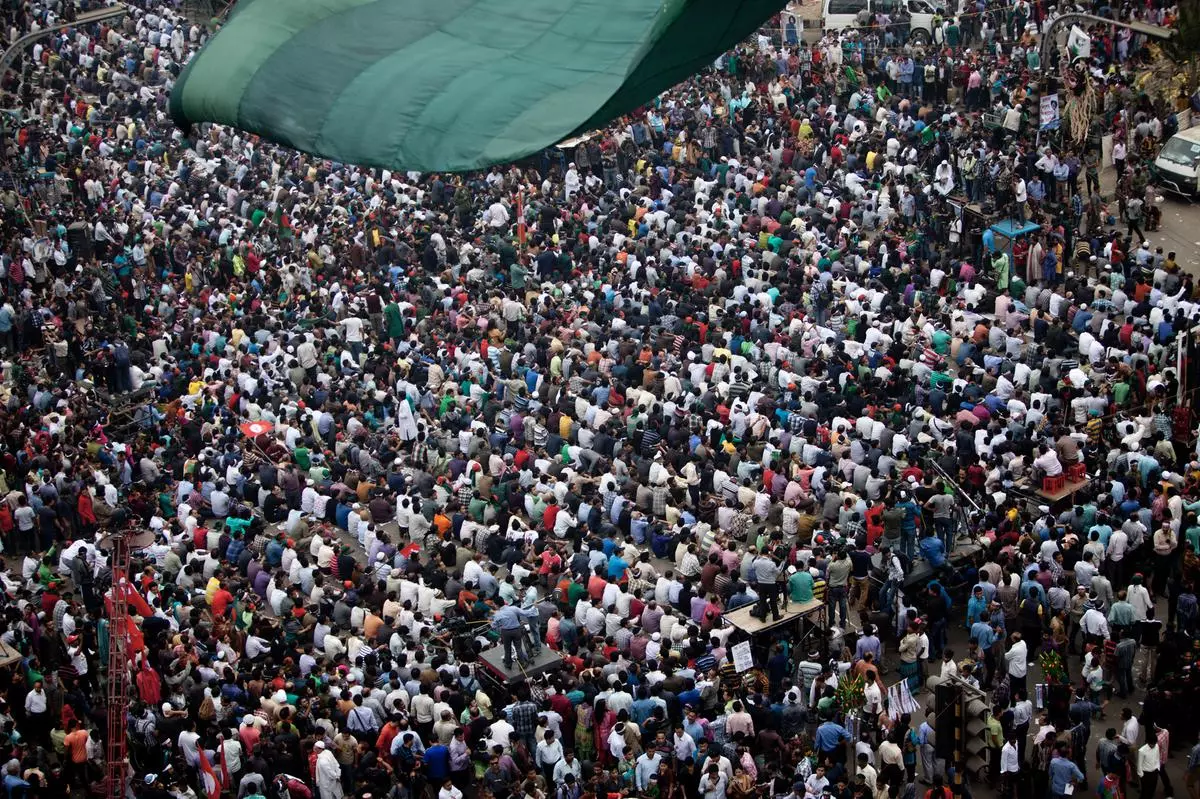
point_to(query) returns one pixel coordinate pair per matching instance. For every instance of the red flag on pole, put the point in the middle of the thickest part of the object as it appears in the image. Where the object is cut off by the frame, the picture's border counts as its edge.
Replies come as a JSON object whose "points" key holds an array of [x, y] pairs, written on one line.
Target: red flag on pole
{"points": [[226, 780], [212, 784]]}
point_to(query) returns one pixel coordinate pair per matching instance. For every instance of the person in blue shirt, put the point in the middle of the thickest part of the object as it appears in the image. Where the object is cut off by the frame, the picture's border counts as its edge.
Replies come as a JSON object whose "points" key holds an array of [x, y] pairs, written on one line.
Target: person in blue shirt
{"points": [[741, 596], [976, 606], [14, 786], [984, 634], [1062, 772], [933, 549], [437, 763], [908, 525], [829, 738]]}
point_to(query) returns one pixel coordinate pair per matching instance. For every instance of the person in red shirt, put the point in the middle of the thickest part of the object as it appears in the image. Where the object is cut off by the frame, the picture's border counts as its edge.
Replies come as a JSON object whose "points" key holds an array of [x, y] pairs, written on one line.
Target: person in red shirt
{"points": [[551, 563], [597, 584], [221, 600], [550, 515], [249, 734]]}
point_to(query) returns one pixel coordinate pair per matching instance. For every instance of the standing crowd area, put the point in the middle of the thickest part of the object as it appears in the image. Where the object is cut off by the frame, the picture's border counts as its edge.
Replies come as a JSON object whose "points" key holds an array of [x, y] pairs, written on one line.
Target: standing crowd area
{"points": [[748, 347]]}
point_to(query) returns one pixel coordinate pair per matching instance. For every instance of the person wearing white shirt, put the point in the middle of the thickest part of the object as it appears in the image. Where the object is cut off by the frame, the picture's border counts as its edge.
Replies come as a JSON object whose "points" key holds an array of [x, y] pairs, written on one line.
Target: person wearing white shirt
{"points": [[647, 767], [1139, 597], [713, 784], [1010, 761], [37, 712], [1017, 658], [683, 745], [334, 648], [500, 732], [1094, 623], [1047, 461], [1131, 729], [449, 790], [256, 647], [549, 754], [568, 765], [1149, 763]]}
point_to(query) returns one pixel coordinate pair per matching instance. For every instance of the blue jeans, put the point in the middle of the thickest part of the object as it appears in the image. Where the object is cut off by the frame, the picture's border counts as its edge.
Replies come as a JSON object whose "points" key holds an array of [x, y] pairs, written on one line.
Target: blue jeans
{"points": [[945, 530]]}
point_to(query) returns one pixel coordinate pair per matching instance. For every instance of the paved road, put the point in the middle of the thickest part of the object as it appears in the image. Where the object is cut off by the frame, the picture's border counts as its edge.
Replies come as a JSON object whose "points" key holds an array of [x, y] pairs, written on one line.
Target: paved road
{"points": [[1180, 232]]}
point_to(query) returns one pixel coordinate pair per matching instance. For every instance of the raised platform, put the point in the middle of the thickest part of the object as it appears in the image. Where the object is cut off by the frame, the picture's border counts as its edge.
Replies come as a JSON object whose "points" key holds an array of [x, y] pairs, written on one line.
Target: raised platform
{"points": [[920, 571], [742, 619], [1066, 492], [493, 661]]}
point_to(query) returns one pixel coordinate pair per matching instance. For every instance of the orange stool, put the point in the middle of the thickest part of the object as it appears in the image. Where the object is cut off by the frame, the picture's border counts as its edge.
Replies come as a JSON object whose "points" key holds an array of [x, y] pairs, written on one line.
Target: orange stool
{"points": [[1052, 484], [1077, 472]]}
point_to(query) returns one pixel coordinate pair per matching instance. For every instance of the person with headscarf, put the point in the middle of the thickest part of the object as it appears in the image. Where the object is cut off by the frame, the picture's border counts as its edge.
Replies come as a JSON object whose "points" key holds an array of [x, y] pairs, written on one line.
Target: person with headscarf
{"points": [[944, 178]]}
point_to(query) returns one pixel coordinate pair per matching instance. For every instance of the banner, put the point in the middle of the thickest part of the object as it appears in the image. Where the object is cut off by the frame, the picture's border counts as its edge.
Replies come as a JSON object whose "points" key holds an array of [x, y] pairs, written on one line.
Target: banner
{"points": [[1048, 117]]}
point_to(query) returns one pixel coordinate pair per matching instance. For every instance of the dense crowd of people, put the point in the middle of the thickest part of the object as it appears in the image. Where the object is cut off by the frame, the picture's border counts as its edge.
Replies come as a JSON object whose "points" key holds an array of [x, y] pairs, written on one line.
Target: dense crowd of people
{"points": [[749, 346]]}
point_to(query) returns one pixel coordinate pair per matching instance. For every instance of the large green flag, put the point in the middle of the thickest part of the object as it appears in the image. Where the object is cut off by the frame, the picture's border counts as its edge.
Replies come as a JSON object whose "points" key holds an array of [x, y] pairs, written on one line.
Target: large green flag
{"points": [[448, 84]]}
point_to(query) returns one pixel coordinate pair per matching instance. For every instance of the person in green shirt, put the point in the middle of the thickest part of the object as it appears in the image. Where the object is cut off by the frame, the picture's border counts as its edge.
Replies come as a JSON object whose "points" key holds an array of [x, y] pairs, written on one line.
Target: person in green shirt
{"points": [[303, 458], [575, 592], [516, 276], [941, 342], [1120, 392], [800, 585], [394, 321], [1192, 533], [237, 525]]}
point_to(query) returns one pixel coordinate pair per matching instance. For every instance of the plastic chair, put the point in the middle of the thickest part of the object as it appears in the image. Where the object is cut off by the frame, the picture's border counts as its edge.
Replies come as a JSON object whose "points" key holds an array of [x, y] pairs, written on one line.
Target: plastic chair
{"points": [[1052, 484], [1077, 472]]}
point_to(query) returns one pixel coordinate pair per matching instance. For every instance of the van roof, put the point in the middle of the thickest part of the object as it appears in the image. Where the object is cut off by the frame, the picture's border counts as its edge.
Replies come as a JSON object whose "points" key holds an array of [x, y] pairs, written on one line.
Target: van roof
{"points": [[1191, 134]]}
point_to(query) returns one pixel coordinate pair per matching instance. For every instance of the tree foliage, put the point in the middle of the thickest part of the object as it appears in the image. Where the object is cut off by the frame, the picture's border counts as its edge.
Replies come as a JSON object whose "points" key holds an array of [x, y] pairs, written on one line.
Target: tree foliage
{"points": [[1183, 49]]}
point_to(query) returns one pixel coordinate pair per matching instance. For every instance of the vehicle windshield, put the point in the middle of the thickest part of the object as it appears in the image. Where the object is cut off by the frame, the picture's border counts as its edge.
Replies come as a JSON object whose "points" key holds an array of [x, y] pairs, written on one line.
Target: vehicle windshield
{"points": [[1181, 151]]}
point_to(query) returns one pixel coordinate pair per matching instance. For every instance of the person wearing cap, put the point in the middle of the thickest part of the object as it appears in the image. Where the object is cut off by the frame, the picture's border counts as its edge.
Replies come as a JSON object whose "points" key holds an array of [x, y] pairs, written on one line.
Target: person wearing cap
{"points": [[328, 772]]}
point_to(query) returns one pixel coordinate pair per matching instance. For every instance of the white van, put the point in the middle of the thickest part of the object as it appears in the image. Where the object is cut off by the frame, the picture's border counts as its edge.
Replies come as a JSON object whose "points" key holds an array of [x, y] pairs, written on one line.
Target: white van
{"points": [[1178, 164], [839, 14]]}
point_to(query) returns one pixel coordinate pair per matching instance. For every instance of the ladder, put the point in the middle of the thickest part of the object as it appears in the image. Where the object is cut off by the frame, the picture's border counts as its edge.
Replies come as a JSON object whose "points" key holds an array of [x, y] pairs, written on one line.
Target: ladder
{"points": [[116, 762]]}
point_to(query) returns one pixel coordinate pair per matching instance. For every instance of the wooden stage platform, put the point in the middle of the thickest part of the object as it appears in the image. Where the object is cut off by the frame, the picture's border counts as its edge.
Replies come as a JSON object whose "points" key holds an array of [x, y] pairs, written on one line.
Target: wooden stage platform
{"points": [[742, 619]]}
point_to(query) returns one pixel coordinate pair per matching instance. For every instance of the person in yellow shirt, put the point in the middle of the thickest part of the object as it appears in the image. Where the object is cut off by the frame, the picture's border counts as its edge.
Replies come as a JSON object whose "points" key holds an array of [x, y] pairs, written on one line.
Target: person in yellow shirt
{"points": [[211, 588]]}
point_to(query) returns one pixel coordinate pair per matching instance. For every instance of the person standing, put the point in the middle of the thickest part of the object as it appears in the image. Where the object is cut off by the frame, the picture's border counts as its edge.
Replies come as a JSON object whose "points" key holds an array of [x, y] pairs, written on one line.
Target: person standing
{"points": [[1017, 662], [838, 582], [766, 576], [1063, 772], [860, 576], [328, 773], [1010, 766], [37, 714], [1149, 634], [1163, 737], [1149, 766]]}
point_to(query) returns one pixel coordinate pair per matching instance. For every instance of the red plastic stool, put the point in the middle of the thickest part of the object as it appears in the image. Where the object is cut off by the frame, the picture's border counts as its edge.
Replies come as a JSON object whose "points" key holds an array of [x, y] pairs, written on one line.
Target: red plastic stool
{"points": [[1052, 484], [1077, 472]]}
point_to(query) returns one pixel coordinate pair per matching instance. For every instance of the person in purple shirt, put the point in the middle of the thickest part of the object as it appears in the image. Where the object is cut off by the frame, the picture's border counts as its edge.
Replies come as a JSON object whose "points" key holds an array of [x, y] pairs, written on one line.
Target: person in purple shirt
{"points": [[696, 611], [868, 642]]}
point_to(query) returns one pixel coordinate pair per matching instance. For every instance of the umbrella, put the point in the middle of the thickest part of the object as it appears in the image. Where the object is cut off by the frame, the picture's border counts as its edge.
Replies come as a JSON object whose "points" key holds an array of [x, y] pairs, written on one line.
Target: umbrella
{"points": [[256, 429]]}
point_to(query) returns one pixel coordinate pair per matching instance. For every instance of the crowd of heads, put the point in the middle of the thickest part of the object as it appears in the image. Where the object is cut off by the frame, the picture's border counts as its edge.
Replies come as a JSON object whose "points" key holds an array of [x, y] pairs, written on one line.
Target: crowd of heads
{"points": [[753, 346]]}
